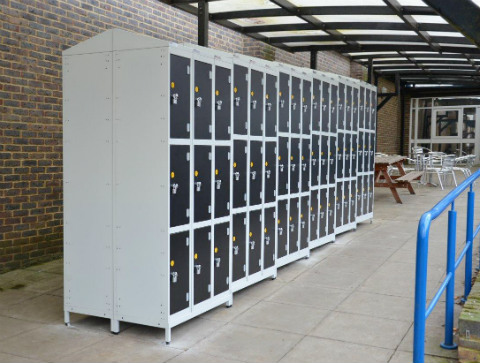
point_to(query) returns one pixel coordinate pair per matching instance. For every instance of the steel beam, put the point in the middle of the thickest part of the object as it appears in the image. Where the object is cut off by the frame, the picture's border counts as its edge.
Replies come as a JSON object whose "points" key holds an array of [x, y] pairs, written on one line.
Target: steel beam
{"points": [[313, 60], [203, 23]]}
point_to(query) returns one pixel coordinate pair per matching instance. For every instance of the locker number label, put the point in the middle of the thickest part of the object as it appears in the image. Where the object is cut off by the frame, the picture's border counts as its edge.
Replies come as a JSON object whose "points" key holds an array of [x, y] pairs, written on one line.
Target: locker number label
{"points": [[217, 92], [235, 89], [216, 249], [216, 171], [196, 172], [172, 175], [195, 256], [172, 263], [172, 85]]}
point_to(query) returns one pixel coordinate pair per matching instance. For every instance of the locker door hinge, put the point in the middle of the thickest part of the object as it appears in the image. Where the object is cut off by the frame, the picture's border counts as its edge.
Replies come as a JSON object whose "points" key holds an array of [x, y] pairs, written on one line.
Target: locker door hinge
{"points": [[209, 156], [187, 297], [209, 236], [228, 231], [210, 74], [188, 69], [228, 155], [228, 280], [188, 156], [244, 268], [229, 79], [187, 241], [209, 288], [246, 77]]}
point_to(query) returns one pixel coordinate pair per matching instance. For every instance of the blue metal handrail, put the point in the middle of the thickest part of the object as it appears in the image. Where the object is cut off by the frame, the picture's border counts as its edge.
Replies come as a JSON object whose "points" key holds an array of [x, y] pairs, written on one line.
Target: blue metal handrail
{"points": [[421, 310]]}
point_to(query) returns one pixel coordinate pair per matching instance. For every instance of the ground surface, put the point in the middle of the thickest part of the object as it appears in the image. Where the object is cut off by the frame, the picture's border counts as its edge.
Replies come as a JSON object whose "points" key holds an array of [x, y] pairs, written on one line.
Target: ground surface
{"points": [[352, 301]]}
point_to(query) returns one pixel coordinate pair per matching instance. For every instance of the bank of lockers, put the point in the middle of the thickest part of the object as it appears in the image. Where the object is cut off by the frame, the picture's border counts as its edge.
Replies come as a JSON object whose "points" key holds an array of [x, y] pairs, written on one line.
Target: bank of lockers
{"points": [[211, 170]]}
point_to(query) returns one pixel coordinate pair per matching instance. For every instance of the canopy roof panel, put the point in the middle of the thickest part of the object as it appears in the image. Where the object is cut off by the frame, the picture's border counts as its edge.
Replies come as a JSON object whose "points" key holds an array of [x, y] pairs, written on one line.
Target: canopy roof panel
{"points": [[415, 39]]}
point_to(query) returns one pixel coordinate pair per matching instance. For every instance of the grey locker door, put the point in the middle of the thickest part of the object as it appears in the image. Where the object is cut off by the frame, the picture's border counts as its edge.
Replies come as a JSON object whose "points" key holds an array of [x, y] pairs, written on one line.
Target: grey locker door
{"points": [[222, 181], [365, 194], [316, 104], [346, 202], [221, 258], [255, 242], [323, 212], [256, 176], [180, 185], [324, 160], [294, 165], [270, 171], [202, 258], [355, 110], [179, 271], [239, 258], [373, 111], [223, 103], [179, 97], [305, 165], [341, 106], [367, 108], [354, 153], [293, 230], [366, 153], [284, 103], [332, 161], [306, 107], [325, 107], [283, 169], [370, 193], [316, 159], [240, 100], [371, 153], [331, 211], [339, 205], [295, 106], [269, 237], [333, 108], [340, 153], [314, 215], [256, 103], [359, 195], [360, 152], [271, 106], [202, 100], [202, 179], [348, 109], [304, 221], [346, 156], [239, 173], [361, 109], [282, 228], [353, 198]]}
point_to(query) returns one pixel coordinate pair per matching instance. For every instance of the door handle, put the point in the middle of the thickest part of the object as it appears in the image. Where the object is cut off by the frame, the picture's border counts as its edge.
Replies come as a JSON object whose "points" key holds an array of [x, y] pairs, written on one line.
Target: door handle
{"points": [[198, 102], [174, 188], [198, 186], [175, 98], [217, 262], [198, 269], [174, 275]]}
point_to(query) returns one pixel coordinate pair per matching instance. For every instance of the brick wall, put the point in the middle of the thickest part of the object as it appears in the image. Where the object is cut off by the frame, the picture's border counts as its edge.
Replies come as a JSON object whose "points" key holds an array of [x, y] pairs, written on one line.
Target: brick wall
{"points": [[388, 124], [32, 36]]}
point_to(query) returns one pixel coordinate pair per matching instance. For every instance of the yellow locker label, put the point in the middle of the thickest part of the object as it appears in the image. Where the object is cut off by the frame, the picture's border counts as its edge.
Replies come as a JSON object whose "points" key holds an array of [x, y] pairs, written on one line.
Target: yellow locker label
{"points": [[172, 263], [172, 175], [172, 84], [197, 89]]}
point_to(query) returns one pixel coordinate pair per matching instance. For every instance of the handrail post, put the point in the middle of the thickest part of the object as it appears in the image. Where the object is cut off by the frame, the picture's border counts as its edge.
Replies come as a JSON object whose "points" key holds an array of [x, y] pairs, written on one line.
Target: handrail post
{"points": [[469, 254], [420, 290], [450, 293]]}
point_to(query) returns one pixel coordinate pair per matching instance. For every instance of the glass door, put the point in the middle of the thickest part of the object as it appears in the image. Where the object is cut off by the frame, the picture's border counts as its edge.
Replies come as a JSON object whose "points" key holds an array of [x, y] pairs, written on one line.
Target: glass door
{"points": [[447, 130]]}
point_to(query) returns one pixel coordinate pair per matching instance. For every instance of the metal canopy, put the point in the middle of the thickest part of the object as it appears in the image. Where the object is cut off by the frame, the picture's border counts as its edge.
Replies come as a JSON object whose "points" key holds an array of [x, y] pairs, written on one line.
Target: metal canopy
{"points": [[420, 43]]}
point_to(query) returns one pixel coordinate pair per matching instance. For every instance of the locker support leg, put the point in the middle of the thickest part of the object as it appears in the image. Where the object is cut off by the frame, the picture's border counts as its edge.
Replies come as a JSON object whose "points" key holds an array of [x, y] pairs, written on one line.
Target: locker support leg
{"points": [[114, 326], [274, 276], [229, 303], [66, 318], [168, 335]]}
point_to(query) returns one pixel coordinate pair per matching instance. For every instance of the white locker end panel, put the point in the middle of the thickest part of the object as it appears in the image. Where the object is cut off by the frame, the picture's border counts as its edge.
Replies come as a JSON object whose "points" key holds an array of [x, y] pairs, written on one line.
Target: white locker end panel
{"points": [[87, 164], [141, 185]]}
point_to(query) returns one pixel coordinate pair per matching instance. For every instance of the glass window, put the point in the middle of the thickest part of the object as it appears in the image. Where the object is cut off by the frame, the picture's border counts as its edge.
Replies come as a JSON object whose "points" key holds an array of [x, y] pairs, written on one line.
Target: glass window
{"points": [[468, 148], [424, 102], [456, 101], [424, 124], [446, 122], [447, 148], [469, 118]]}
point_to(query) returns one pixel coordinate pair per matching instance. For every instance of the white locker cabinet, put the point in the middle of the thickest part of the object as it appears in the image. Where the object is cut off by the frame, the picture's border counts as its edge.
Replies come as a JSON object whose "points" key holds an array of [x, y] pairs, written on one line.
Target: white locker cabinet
{"points": [[141, 179]]}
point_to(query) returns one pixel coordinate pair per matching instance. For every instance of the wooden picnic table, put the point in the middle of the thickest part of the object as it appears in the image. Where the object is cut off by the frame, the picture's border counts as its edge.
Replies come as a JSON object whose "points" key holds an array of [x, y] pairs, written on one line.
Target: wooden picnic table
{"points": [[384, 180]]}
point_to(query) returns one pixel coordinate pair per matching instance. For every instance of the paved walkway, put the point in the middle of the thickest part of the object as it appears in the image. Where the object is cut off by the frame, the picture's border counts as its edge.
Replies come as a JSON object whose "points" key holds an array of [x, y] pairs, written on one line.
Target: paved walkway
{"points": [[352, 301]]}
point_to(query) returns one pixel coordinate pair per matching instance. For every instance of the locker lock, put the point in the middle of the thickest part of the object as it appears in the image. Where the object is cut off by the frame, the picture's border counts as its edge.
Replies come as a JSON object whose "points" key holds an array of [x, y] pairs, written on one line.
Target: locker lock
{"points": [[330, 212], [314, 161], [313, 217], [339, 156], [324, 107], [292, 227], [281, 167], [322, 214], [370, 194], [237, 101], [174, 188], [331, 161], [361, 108], [354, 110], [268, 172], [280, 231], [269, 106], [237, 175], [340, 107], [198, 101], [348, 108], [217, 262], [174, 277], [254, 174], [198, 269], [198, 186], [219, 104], [347, 156], [338, 205], [218, 183], [365, 196], [293, 167], [175, 98], [323, 162], [235, 250], [294, 105], [267, 240], [352, 201], [373, 110], [305, 108], [303, 224], [252, 245], [304, 166], [345, 203], [358, 196], [315, 104], [254, 104], [282, 103], [333, 109]]}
